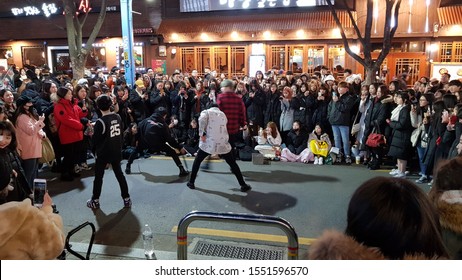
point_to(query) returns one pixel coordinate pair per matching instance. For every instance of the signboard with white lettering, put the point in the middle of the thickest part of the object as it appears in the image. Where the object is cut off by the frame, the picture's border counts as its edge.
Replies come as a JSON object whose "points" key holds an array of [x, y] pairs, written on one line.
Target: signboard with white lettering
{"points": [[187, 6]]}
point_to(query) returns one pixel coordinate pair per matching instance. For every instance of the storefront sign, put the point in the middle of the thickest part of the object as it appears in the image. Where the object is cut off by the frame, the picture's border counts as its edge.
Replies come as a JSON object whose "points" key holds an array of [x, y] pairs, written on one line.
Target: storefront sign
{"points": [[203, 5], [45, 9], [159, 66], [147, 30]]}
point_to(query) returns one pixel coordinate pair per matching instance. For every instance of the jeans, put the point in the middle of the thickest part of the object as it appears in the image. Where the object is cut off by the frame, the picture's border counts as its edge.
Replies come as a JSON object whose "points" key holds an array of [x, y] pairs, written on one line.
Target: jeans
{"points": [[342, 136], [422, 165], [30, 167]]}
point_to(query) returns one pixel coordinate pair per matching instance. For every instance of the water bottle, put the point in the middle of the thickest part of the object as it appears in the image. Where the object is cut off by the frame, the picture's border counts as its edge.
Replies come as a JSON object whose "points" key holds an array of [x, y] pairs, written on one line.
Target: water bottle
{"points": [[148, 242]]}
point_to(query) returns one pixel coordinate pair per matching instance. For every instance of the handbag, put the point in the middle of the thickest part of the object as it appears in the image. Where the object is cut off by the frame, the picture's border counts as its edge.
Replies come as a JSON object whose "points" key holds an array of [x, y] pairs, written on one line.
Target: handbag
{"points": [[319, 148], [48, 153], [356, 126], [375, 140]]}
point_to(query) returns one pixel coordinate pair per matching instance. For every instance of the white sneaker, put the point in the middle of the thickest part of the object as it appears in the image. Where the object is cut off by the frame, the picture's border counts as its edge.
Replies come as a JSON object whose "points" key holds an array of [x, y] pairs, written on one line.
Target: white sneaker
{"points": [[320, 161], [77, 169], [316, 160], [394, 171], [400, 175]]}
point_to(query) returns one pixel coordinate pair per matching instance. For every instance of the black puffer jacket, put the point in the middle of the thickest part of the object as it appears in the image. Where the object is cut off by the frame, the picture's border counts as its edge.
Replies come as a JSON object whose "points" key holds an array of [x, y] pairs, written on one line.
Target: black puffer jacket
{"points": [[153, 133]]}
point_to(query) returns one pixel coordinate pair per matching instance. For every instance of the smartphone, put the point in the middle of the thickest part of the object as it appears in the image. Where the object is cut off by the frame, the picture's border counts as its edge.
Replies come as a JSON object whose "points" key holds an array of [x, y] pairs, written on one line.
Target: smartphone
{"points": [[40, 188]]}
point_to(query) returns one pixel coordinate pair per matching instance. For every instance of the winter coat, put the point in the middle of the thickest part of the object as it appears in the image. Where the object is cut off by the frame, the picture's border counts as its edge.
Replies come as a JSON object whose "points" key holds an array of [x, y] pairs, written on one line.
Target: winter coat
{"points": [[376, 116], [157, 100], [296, 143], [304, 109], [30, 233], [255, 108], [320, 114], [29, 134], [449, 207], [67, 117], [138, 106], [287, 115], [339, 113], [453, 151], [334, 245], [212, 124], [401, 146], [273, 108], [153, 133]]}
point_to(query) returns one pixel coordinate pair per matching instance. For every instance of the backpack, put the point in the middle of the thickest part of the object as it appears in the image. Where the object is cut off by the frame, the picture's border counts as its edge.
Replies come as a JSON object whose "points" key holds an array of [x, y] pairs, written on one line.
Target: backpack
{"points": [[245, 154]]}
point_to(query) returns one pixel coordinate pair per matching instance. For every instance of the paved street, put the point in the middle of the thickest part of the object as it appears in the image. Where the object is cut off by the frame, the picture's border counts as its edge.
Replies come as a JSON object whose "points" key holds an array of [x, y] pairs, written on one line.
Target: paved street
{"points": [[312, 198]]}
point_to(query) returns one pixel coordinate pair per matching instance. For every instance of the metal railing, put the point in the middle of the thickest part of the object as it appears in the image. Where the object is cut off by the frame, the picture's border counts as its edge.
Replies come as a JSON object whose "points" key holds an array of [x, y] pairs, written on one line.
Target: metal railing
{"points": [[251, 219]]}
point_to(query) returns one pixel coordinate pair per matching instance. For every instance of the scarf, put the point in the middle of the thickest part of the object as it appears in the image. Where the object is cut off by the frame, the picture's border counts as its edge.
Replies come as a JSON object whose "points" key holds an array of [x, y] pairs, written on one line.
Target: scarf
{"points": [[395, 113]]}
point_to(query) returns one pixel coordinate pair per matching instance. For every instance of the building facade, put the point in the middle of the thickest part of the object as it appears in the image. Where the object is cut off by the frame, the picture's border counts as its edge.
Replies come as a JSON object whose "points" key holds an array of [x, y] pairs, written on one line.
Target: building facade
{"points": [[239, 37]]}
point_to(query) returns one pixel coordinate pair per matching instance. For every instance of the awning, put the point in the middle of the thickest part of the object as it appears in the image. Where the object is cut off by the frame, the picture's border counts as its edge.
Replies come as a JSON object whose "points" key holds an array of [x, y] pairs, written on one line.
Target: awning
{"points": [[450, 15], [253, 23]]}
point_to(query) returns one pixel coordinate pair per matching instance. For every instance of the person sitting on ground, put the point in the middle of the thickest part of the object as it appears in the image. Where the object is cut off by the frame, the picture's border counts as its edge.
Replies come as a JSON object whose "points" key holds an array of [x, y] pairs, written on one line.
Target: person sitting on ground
{"points": [[296, 142], [446, 195], [319, 145], [388, 218], [28, 232], [269, 140], [214, 139]]}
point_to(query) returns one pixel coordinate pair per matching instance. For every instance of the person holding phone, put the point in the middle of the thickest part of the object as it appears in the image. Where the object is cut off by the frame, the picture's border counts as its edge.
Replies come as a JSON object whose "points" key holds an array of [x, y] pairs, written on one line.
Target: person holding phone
{"points": [[19, 219]]}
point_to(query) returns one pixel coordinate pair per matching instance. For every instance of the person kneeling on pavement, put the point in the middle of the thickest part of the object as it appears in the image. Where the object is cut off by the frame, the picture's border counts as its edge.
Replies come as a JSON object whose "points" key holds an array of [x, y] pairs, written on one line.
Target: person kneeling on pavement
{"points": [[154, 134]]}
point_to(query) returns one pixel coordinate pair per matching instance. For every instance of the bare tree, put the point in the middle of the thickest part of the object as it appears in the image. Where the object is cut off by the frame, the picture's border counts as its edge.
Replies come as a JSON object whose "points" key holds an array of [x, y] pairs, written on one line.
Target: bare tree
{"points": [[371, 66], [76, 17]]}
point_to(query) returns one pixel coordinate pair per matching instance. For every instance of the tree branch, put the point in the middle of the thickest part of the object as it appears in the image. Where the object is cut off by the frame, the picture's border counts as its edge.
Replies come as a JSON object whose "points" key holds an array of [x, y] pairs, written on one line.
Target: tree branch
{"points": [[344, 37], [99, 23]]}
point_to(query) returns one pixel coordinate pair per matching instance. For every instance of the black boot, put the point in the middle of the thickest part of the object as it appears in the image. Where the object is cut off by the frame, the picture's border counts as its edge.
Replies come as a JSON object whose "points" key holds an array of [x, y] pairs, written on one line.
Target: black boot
{"points": [[128, 169], [183, 172]]}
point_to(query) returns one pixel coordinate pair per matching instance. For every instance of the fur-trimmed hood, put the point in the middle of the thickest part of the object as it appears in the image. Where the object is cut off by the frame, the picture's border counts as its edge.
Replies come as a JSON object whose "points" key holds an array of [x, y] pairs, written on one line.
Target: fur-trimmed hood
{"points": [[449, 206], [27, 232], [334, 245]]}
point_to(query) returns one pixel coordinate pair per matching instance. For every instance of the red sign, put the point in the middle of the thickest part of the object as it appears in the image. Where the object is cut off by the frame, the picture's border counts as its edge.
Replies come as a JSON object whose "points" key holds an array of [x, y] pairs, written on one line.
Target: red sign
{"points": [[159, 66], [84, 6]]}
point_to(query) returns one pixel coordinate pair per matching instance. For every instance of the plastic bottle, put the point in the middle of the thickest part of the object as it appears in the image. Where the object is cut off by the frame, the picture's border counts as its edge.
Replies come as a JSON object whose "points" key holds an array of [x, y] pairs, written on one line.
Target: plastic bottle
{"points": [[148, 242]]}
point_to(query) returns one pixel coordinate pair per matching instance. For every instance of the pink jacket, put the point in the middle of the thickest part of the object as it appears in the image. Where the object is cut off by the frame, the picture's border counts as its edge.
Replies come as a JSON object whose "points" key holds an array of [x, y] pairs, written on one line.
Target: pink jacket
{"points": [[29, 134]]}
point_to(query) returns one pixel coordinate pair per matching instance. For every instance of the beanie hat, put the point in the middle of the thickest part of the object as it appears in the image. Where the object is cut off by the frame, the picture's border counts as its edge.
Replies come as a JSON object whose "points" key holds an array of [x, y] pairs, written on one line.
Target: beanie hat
{"points": [[82, 82], [139, 83], [103, 102], [227, 83], [23, 100], [62, 91]]}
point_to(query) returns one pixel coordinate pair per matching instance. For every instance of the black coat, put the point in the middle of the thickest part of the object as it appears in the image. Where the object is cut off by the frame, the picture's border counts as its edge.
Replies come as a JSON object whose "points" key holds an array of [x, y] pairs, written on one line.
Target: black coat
{"points": [[458, 132], [138, 106], [377, 115], [304, 110], [273, 108], [400, 146], [153, 133], [157, 100], [255, 108], [296, 143]]}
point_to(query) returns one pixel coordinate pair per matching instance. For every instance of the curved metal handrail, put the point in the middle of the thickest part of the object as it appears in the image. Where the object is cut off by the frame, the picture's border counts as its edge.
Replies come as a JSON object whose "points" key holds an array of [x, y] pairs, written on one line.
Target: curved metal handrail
{"points": [[252, 219]]}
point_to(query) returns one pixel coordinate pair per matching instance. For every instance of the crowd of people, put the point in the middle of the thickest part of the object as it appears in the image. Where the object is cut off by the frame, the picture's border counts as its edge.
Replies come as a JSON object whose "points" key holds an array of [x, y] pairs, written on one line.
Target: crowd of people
{"points": [[294, 118]]}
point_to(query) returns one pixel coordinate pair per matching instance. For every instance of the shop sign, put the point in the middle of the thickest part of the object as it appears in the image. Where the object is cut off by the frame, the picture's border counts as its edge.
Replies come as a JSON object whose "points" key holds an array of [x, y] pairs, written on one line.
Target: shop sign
{"points": [[45, 9]]}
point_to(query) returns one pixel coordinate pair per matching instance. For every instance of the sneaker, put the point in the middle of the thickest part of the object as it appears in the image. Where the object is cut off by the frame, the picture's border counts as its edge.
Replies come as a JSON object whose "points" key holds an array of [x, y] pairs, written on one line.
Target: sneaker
{"points": [[191, 185], [84, 166], [77, 168], [338, 159], [394, 171], [128, 169], [183, 173], [320, 161], [127, 203], [422, 179], [348, 160], [316, 160], [93, 203], [245, 188], [430, 183], [400, 175]]}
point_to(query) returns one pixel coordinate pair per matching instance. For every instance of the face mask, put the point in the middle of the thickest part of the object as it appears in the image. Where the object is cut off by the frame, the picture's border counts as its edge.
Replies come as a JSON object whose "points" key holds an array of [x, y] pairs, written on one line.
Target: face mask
{"points": [[175, 122]]}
